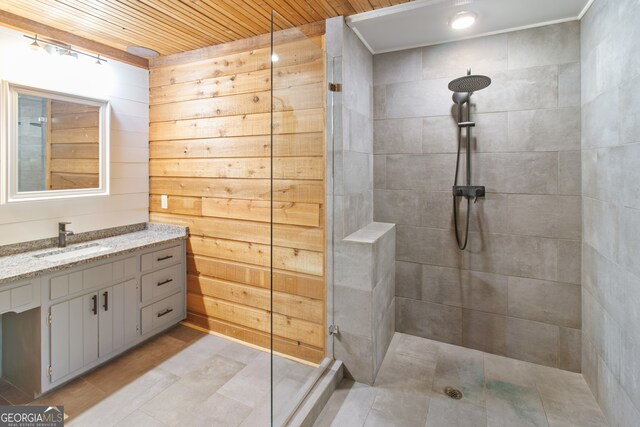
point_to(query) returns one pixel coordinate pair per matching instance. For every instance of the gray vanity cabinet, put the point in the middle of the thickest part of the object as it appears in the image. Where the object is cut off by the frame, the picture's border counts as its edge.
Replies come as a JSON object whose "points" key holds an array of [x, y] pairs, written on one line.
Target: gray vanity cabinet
{"points": [[90, 327], [94, 312], [61, 319]]}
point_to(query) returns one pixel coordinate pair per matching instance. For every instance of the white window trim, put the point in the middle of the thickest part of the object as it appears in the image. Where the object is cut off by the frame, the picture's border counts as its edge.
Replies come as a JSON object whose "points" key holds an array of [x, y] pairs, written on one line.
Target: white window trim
{"points": [[9, 165]]}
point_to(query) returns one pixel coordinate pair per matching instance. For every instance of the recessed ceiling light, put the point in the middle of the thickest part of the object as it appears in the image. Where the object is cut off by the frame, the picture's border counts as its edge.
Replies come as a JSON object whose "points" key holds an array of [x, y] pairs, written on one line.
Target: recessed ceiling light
{"points": [[462, 20], [144, 52]]}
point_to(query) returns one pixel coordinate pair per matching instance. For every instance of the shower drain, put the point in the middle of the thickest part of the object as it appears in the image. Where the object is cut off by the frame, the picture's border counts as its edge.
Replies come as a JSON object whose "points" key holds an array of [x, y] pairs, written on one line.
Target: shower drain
{"points": [[453, 393]]}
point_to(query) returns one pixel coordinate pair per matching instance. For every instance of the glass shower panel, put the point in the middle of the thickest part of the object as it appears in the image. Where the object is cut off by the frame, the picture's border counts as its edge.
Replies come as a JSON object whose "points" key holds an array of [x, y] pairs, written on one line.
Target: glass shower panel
{"points": [[334, 146], [298, 215]]}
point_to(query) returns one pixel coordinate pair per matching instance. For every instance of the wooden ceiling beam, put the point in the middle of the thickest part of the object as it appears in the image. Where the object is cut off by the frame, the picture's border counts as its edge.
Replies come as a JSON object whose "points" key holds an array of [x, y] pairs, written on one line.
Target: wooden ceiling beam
{"points": [[32, 27]]}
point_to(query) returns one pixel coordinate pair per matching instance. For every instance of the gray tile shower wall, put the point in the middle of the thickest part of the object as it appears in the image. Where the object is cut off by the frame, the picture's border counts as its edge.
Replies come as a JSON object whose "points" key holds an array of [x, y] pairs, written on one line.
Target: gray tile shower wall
{"points": [[363, 273], [353, 184], [516, 290], [610, 59]]}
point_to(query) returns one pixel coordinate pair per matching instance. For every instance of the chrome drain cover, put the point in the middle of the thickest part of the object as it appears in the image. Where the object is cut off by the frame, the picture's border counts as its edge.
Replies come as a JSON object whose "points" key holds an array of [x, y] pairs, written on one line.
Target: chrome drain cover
{"points": [[453, 393]]}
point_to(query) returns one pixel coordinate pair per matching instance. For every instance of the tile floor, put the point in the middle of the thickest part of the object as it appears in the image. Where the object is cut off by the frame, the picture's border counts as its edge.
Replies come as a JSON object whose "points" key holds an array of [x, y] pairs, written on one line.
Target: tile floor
{"points": [[498, 392], [184, 377], [180, 378]]}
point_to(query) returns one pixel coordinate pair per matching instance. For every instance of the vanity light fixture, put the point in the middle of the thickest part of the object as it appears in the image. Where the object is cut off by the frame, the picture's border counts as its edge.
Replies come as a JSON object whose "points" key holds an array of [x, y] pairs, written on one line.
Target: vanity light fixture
{"points": [[275, 57], [35, 44], [462, 20], [62, 49], [67, 53]]}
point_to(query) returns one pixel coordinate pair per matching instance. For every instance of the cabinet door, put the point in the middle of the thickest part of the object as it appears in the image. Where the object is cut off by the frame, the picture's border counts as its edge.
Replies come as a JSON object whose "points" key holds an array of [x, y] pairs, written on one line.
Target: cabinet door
{"points": [[73, 326], [129, 303], [59, 340], [76, 334], [105, 322], [90, 327], [118, 316]]}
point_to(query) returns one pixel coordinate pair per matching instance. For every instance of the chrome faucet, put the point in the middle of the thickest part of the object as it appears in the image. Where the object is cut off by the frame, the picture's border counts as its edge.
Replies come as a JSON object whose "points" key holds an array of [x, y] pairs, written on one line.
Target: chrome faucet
{"points": [[63, 233]]}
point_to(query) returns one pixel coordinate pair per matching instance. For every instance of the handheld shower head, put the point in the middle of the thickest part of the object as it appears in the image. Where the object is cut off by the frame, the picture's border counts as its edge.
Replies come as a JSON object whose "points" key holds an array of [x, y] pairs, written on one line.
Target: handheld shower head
{"points": [[460, 97]]}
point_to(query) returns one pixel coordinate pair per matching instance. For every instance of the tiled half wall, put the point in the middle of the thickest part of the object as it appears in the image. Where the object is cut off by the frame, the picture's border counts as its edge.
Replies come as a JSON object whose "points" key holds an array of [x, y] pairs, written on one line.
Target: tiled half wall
{"points": [[363, 272]]}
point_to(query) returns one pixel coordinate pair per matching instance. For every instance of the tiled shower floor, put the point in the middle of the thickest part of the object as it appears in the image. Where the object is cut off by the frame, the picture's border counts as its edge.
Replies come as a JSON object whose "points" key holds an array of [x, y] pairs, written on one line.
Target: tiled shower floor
{"points": [[498, 392], [182, 377]]}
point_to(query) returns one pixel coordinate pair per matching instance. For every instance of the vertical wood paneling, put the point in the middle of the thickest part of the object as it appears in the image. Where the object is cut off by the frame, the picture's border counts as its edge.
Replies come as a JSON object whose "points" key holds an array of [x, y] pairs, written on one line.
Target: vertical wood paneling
{"points": [[210, 153]]}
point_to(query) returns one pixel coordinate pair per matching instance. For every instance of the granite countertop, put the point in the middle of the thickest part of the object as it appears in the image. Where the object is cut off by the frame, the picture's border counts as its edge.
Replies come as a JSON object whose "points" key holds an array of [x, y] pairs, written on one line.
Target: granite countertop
{"points": [[19, 265]]}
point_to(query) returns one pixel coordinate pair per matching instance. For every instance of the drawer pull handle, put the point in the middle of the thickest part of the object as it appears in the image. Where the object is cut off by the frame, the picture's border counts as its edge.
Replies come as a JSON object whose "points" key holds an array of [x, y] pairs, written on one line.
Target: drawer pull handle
{"points": [[167, 311], [164, 258], [95, 304], [164, 282], [106, 301]]}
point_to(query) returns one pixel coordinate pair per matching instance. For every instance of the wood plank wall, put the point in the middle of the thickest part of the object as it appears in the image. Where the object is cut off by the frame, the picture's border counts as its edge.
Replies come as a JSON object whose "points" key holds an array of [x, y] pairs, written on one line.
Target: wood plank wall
{"points": [[210, 153], [73, 161]]}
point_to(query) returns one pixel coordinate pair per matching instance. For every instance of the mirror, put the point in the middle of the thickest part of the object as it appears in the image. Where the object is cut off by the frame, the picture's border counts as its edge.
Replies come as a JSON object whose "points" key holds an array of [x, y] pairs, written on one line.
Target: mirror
{"points": [[57, 144]]}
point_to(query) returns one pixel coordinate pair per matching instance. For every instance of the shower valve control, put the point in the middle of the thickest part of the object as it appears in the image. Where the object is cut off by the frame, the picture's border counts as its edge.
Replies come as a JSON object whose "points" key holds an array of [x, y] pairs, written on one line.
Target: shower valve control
{"points": [[469, 191]]}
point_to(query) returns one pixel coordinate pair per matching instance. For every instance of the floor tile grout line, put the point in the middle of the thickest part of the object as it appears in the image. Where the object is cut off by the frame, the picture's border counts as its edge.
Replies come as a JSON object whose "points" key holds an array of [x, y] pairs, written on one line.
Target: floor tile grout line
{"points": [[546, 414], [484, 383]]}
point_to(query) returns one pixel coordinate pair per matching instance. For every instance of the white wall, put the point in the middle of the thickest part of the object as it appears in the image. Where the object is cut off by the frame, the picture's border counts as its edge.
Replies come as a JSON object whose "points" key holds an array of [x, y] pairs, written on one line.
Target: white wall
{"points": [[127, 88]]}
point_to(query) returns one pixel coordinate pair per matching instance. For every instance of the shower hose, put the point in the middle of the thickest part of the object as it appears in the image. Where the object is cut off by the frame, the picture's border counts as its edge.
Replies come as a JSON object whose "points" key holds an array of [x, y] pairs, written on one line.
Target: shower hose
{"points": [[462, 244]]}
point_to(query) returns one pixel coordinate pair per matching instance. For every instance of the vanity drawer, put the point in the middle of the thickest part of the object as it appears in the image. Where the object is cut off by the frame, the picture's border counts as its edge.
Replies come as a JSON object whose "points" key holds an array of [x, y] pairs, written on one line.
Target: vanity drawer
{"points": [[20, 298], [162, 313], [161, 258], [162, 282]]}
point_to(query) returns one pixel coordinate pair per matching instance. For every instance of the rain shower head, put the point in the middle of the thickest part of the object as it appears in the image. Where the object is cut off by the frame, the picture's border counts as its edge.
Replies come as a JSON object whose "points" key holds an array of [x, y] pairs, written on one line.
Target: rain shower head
{"points": [[469, 83]]}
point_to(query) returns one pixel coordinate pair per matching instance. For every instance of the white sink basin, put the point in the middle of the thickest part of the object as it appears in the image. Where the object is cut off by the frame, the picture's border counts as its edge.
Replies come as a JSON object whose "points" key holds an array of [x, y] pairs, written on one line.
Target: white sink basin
{"points": [[72, 252]]}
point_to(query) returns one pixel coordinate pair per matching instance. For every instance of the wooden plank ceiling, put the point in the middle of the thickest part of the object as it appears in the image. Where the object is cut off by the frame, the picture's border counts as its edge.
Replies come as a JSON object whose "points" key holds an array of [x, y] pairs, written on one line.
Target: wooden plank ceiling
{"points": [[172, 26]]}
